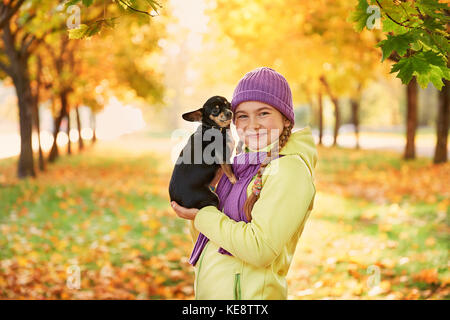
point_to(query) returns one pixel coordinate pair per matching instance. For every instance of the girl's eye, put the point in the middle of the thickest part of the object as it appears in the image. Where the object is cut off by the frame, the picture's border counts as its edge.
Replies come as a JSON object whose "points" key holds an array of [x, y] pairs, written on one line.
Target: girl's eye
{"points": [[260, 114]]}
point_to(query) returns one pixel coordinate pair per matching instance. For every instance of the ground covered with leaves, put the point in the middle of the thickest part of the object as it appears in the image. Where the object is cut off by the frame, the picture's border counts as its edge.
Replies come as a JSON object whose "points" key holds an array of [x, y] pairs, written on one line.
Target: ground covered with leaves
{"points": [[379, 230]]}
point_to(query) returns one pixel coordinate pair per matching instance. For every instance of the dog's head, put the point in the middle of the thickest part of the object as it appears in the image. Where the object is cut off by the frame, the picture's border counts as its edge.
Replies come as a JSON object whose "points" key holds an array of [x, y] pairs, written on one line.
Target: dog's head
{"points": [[216, 112]]}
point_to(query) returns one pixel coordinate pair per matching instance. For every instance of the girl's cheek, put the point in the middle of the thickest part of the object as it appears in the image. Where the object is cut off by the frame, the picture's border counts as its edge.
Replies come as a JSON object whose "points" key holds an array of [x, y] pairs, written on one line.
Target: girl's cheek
{"points": [[240, 125]]}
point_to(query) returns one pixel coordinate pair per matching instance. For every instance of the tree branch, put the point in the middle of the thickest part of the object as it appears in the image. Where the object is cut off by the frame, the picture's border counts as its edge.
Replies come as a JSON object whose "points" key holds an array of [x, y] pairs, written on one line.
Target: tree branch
{"points": [[26, 45], [134, 9], [8, 41], [395, 21], [7, 11]]}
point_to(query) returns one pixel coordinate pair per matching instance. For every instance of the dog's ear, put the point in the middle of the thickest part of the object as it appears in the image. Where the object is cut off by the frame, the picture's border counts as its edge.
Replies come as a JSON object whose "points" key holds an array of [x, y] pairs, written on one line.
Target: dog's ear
{"points": [[193, 115]]}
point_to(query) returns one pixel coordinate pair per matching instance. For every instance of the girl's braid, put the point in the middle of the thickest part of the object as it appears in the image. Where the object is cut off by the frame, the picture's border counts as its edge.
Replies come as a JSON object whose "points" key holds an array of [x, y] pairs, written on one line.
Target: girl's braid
{"points": [[257, 186]]}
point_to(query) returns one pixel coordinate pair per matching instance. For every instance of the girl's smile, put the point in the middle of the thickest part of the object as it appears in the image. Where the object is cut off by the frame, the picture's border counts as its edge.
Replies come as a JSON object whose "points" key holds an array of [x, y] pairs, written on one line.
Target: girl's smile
{"points": [[258, 124]]}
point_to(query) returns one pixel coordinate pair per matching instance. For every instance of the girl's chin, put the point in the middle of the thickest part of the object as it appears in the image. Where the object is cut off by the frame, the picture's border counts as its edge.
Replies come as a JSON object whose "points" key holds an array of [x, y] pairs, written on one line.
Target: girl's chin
{"points": [[256, 146], [254, 143]]}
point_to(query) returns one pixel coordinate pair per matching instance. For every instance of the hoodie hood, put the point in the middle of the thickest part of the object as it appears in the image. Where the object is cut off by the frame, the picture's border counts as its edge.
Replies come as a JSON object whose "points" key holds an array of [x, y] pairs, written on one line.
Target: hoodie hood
{"points": [[300, 142]]}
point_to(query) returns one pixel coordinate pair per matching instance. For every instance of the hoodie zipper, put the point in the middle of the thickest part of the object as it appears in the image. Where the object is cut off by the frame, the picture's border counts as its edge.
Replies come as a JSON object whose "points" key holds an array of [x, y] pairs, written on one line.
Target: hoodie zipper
{"points": [[237, 286]]}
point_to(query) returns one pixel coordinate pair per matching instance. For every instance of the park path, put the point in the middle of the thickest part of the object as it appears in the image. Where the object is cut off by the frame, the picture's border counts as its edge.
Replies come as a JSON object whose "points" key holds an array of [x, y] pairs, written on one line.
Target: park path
{"points": [[145, 141], [368, 141]]}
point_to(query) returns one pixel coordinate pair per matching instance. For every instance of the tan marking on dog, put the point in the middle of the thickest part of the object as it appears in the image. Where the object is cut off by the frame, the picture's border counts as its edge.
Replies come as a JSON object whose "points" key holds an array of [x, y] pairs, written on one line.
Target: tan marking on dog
{"points": [[220, 120]]}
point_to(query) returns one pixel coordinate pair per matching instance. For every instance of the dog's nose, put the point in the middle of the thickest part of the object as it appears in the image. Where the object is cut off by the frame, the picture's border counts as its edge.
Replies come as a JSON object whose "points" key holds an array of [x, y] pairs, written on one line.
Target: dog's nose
{"points": [[228, 113]]}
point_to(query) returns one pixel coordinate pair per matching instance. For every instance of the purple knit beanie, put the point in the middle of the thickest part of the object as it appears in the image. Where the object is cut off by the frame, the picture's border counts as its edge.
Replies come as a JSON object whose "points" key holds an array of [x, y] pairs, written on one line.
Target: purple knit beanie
{"points": [[268, 86]]}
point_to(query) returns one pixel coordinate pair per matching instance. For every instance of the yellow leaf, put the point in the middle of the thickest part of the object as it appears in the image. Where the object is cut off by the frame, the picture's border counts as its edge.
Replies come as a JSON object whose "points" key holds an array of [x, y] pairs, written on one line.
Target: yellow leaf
{"points": [[159, 279], [21, 261]]}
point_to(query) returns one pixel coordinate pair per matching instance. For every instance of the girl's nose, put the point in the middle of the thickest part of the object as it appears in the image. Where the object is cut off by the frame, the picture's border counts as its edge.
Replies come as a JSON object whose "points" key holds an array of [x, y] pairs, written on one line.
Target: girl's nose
{"points": [[253, 123]]}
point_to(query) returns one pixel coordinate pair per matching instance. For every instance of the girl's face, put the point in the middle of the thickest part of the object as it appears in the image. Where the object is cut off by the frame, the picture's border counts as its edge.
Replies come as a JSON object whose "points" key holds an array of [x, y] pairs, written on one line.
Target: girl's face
{"points": [[258, 124]]}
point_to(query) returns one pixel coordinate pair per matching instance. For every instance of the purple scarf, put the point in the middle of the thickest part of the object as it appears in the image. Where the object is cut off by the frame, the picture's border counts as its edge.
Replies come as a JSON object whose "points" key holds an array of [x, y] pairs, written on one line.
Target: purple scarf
{"points": [[232, 197]]}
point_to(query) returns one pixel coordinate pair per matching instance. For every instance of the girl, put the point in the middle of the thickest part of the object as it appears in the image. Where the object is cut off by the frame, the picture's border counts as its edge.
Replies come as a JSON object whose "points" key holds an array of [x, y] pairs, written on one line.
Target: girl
{"points": [[243, 250]]}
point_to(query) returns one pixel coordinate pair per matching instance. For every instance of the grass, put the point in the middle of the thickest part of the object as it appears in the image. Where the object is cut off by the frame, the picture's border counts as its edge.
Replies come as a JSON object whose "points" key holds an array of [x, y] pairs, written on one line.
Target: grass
{"points": [[355, 229], [98, 211]]}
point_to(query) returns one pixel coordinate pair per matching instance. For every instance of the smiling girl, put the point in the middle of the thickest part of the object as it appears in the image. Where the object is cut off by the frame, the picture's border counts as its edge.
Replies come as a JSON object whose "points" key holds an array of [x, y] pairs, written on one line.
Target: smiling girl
{"points": [[244, 248]]}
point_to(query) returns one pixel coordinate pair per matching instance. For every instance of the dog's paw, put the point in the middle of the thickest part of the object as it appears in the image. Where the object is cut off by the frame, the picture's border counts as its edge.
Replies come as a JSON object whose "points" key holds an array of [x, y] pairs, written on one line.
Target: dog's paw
{"points": [[233, 179]]}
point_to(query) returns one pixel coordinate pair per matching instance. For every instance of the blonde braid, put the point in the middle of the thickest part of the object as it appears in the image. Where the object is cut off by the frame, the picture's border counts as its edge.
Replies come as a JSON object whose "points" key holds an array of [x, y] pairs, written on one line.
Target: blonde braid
{"points": [[257, 186]]}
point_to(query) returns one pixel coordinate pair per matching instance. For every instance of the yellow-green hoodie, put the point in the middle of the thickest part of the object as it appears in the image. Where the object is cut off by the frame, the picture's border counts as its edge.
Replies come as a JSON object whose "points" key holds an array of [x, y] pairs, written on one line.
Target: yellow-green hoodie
{"points": [[263, 248]]}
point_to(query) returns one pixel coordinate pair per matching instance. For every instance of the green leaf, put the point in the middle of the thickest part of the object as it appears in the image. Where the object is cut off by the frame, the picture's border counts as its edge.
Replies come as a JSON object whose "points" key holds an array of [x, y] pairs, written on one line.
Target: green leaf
{"points": [[71, 3], [391, 26], [406, 69], [359, 16], [433, 24], [399, 43], [87, 3], [427, 66], [432, 8], [434, 75], [417, 46], [436, 43]]}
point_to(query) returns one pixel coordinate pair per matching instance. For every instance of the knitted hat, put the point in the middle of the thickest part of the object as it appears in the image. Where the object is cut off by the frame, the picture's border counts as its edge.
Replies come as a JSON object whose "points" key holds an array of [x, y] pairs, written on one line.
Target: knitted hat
{"points": [[268, 86]]}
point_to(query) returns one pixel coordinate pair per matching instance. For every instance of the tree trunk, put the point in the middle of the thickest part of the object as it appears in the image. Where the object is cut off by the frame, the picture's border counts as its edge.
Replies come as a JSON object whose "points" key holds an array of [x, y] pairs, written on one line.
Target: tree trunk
{"points": [[337, 115], [440, 153], [355, 119], [337, 122], [319, 98], [54, 151], [80, 139], [38, 131], [69, 146], [411, 119], [94, 136], [36, 112], [18, 70], [23, 90]]}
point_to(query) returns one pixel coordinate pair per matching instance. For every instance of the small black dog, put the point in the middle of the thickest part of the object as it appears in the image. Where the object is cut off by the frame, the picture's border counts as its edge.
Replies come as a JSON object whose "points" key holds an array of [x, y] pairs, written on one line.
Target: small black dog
{"points": [[193, 173]]}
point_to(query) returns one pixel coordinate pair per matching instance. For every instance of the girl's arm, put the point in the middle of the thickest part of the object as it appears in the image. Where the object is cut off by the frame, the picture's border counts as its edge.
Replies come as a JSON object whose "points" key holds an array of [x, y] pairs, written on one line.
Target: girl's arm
{"points": [[280, 211], [193, 231]]}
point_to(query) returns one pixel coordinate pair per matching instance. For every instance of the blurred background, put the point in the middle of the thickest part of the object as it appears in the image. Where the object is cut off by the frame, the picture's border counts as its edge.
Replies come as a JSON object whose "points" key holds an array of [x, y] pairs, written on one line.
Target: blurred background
{"points": [[91, 97]]}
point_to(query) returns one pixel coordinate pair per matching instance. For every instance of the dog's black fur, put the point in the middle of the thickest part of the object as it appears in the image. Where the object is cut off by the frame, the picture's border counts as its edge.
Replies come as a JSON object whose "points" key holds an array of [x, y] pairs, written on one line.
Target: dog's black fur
{"points": [[189, 184]]}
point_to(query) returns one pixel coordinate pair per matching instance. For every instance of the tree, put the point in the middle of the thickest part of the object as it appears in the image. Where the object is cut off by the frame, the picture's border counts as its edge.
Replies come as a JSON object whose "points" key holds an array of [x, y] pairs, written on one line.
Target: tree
{"points": [[417, 36], [23, 31], [440, 154], [19, 41]]}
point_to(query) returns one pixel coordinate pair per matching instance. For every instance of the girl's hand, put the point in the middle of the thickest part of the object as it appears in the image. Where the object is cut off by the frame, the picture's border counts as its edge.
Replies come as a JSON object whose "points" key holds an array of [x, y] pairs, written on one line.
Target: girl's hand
{"points": [[217, 177], [183, 212]]}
